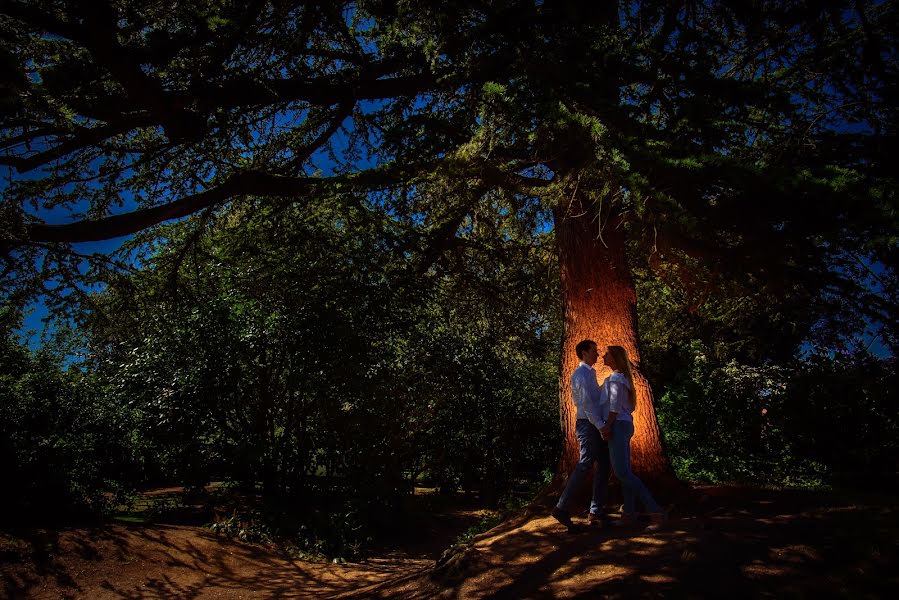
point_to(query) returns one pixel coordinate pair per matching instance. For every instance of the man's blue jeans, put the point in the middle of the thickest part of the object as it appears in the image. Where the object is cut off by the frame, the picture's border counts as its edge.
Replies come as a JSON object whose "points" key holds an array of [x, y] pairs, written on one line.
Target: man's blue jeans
{"points": [[631, 486], [593, 448]]}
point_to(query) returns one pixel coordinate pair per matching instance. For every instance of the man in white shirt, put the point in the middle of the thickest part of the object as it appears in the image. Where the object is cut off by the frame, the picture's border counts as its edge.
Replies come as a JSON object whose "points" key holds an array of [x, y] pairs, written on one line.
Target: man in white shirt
{"points": [[591, 417]]}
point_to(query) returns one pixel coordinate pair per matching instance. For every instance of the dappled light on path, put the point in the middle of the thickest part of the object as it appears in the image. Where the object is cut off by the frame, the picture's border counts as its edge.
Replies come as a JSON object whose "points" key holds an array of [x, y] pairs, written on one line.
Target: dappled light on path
{"points": [[737, 542], [186, 562]]}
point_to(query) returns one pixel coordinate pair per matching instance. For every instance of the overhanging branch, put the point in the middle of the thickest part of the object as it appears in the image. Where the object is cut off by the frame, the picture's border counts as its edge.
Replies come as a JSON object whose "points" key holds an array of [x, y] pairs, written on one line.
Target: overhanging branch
{"points": [[238, 184], [91, 230]]}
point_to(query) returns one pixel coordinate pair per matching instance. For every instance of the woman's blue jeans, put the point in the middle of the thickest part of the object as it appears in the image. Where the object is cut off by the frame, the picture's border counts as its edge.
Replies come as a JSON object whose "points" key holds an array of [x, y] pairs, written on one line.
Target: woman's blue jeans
{"points": [[631, 486]]}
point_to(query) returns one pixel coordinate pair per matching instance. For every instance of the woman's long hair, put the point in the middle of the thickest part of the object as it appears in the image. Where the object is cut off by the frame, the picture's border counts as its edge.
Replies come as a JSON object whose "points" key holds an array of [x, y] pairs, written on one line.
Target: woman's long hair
{"points": [[623, 363]]}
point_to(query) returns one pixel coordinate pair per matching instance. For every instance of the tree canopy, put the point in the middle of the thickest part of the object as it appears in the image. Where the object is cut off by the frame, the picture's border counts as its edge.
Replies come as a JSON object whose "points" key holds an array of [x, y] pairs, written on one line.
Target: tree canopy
{"points": [[740, 143]]}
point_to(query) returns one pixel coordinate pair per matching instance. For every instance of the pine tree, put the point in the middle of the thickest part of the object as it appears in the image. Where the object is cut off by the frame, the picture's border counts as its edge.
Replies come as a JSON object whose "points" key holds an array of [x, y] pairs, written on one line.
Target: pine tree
{"points": [[728, 145]]}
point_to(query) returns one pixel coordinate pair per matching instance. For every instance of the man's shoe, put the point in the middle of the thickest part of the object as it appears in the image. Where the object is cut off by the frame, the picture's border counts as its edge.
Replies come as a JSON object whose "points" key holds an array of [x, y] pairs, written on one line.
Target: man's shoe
{"points": [[562, 517]]}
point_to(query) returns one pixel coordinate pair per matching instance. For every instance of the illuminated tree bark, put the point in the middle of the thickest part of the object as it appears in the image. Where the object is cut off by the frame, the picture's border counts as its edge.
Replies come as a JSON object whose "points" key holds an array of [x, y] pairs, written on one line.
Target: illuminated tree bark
{"points": [[600, 304]]}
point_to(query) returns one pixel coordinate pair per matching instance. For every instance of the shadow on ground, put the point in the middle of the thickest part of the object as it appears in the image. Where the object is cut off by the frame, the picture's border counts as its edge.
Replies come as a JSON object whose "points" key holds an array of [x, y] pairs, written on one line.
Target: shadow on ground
{"points": [[177, 559], [160, 561], [737, 543]]}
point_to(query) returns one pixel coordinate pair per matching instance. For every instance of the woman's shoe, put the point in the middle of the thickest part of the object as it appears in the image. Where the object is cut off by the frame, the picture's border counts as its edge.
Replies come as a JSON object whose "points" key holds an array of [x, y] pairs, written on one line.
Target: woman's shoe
{"points": [[597, 521], [626, 520], [656, 522]]}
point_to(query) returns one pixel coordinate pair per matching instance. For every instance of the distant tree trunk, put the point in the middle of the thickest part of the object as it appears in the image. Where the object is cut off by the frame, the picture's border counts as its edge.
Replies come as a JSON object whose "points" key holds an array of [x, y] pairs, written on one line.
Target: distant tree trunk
{"points": [[600, 304]]}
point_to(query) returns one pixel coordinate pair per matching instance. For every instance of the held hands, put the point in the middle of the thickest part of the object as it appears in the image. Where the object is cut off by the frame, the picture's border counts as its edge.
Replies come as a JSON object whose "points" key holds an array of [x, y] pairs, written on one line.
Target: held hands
{"points": [[606, 431]]}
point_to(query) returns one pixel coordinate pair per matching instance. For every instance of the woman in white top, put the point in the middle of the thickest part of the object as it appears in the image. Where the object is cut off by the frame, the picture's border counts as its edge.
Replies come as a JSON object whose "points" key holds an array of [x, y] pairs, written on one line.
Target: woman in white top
{"points": [[618, 389]]}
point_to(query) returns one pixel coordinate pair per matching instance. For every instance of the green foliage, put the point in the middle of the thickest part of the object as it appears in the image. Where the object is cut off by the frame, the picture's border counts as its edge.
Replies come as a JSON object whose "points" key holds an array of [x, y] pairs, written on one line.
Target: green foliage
{"points": [[823, 420], [844, 413], [492, 412], [722, 421], [312, 362], [719, 358], [63, 443]]}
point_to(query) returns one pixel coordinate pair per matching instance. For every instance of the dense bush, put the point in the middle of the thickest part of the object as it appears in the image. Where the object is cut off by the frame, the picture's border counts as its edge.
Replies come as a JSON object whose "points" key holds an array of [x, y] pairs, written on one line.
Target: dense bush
{"points": [[723, 421], [825, 419], [492, 419], [844, 413], [64, 446], [315, 364]]}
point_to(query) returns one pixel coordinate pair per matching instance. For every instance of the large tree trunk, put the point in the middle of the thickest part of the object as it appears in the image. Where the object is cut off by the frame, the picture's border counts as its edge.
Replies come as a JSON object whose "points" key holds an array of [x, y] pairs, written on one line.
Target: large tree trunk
{"points": [[600, 304]]}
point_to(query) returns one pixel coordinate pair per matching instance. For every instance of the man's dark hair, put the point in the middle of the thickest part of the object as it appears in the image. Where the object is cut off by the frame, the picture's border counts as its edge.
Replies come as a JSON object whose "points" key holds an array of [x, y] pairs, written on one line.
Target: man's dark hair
{"points": [[583, 347]]}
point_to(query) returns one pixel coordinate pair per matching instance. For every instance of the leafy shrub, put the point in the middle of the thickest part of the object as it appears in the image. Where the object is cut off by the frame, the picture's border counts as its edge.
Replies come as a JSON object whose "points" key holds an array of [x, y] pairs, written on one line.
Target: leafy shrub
{"points": [[493, 416], [844, 414], [63, 445], [314, 365], [820, 420]]}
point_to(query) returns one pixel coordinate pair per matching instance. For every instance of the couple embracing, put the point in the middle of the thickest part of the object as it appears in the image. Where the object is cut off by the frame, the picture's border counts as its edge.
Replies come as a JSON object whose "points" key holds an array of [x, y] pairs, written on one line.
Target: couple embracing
{"points": [[604, 428]]}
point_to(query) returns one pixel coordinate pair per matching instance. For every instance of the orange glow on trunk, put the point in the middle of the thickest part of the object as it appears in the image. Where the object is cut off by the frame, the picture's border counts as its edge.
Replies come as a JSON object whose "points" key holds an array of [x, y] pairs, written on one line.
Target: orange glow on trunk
{"points": [[600, 304]]}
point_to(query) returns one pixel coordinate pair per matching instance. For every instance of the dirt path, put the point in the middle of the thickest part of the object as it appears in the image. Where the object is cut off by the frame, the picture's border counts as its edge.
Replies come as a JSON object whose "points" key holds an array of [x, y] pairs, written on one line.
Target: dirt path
{"points": [[739, 543], [161, 561]]}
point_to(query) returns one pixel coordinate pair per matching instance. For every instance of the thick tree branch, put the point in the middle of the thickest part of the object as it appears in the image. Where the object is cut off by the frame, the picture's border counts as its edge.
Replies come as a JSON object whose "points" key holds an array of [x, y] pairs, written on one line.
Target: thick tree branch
{"points": [[238, 184], [132, 222], [323, 91], [182, 124], [29, 135], [266, 185], [442, 238]]}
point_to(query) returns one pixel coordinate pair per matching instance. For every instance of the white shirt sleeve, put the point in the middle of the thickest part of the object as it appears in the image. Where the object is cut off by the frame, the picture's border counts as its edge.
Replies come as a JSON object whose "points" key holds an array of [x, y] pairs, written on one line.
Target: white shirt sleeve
{"points": [[619, 394]]}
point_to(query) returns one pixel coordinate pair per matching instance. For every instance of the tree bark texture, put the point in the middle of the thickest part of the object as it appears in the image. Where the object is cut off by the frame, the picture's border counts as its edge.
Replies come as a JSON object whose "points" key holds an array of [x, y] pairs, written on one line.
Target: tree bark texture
{"points": [[600, 304]]}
